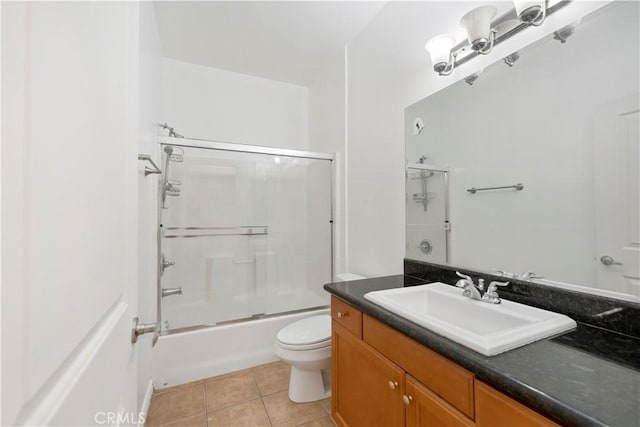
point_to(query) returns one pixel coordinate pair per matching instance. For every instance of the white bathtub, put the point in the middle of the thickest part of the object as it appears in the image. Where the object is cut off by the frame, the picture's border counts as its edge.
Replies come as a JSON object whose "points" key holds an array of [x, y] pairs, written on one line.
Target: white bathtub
{"points": [[188, 356]]}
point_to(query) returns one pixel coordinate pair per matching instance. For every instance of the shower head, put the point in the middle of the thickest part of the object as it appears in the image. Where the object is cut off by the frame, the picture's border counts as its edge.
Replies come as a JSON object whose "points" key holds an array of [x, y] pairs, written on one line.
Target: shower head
{"points": [[168, 149], [171, 131]]}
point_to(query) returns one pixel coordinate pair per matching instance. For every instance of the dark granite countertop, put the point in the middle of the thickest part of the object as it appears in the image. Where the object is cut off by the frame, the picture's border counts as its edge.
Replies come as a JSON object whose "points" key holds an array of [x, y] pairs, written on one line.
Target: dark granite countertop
{"points": [[587, 377]]}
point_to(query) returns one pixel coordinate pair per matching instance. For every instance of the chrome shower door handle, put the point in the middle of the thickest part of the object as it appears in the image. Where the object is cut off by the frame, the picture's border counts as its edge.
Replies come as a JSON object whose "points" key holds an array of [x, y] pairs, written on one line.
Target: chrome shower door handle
{"points": [[608, 260]]}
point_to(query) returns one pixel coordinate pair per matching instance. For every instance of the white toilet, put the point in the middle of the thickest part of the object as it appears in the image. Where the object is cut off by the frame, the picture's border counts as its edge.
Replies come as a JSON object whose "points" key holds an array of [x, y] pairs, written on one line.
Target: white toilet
{"points": [[306, 346]]}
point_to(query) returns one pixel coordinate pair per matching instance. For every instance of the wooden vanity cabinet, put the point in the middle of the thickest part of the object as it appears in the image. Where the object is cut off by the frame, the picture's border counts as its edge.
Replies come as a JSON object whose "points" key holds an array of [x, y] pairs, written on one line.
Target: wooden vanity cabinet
{"points": [[440, 375], [494, 409], [367, 388], [427, 409], [380, 377]]}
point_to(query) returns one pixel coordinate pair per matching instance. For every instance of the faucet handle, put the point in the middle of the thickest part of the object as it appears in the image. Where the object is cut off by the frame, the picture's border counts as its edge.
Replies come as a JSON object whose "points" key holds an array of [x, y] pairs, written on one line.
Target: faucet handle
{"points": [[529, 275], [503, 273], [494, 285], [491, 295], [464, 276]]}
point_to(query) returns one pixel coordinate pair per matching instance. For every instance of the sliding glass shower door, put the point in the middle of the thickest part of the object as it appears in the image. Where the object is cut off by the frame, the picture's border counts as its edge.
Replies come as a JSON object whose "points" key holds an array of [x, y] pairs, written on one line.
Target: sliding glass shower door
{"points": [[244, 234]]}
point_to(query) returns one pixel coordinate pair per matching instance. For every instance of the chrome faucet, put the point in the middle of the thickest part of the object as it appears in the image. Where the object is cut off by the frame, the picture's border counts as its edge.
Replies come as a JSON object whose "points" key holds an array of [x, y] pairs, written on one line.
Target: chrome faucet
{"points": [[470, 289], [477, 292], [527, 275], [491, 295]]}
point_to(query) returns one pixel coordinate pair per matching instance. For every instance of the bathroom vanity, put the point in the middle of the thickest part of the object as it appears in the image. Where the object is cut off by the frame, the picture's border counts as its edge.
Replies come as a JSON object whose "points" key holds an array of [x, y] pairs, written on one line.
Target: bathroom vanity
{"points": [[389, 371]]}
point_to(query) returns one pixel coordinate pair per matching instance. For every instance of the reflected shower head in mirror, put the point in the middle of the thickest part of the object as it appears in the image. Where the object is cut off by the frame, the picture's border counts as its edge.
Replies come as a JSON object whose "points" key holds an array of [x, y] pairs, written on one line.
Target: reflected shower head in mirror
{"points": [[166, 186]]}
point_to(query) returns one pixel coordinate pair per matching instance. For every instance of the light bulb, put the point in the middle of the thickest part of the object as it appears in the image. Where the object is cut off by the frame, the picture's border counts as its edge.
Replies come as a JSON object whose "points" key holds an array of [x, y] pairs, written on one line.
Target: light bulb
{"points": [[439, 47], [530, 11], [477, 25]]}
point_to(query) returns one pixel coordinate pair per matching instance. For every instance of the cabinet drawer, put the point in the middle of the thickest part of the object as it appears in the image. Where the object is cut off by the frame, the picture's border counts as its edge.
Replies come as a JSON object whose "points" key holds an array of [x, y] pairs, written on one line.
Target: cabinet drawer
{"points": [[426, 409], [448, 380], [347, 316], [494, 409]]}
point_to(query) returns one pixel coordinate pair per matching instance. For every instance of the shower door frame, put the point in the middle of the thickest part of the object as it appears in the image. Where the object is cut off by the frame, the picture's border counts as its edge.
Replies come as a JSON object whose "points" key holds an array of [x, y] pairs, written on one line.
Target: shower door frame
{"points": [[242, 148]]}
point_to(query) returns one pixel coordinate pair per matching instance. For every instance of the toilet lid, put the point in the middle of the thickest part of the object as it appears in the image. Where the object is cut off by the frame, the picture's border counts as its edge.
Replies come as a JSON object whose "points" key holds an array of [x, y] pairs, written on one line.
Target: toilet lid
{"points": [[307, 331]]}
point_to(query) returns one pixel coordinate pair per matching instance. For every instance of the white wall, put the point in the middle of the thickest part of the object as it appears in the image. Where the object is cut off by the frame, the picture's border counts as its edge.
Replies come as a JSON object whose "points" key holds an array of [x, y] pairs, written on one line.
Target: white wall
{"points": [[207, 103], [389, 70], [149, 118], [69, 246], [327, 134]]}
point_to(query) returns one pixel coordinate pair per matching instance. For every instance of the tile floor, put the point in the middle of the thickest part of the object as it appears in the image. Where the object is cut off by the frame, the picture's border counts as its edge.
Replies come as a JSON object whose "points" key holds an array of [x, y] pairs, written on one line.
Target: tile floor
{"points": [[252, 397]]}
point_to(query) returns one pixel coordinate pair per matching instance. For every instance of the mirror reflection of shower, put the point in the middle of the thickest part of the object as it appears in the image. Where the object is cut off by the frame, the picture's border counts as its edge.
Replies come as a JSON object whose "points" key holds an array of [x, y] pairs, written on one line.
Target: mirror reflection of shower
{"points": [[424, 196], [427, 212], [170, 186]]}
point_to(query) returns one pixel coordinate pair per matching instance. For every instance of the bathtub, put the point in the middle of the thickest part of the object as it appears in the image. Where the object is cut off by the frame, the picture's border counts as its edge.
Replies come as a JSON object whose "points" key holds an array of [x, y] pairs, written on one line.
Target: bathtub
{"points": [[188, 356]]}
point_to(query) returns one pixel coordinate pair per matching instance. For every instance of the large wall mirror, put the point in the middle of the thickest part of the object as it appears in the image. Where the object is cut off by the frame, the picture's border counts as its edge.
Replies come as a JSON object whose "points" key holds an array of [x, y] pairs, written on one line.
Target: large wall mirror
{"points": [[559, 129]]}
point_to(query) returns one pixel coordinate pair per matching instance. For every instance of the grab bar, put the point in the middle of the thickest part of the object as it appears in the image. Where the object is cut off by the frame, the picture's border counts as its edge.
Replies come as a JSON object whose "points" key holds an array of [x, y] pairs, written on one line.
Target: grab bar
{"points": [[517, 187], [215, 231], [147, 170]]}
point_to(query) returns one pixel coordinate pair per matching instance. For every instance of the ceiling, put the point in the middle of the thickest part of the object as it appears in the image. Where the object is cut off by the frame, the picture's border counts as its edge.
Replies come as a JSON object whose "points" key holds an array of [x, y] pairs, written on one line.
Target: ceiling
{"points": [[288, 41]]}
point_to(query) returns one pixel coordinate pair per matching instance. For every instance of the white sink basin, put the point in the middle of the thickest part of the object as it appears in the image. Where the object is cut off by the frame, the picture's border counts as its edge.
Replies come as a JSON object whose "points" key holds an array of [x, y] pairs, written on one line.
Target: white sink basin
{"points": [[486, 328]]}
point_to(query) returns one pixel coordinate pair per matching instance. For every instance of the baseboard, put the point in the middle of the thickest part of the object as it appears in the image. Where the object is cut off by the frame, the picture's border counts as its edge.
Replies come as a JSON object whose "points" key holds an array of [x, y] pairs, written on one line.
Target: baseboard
{"points": [[144, 408]]}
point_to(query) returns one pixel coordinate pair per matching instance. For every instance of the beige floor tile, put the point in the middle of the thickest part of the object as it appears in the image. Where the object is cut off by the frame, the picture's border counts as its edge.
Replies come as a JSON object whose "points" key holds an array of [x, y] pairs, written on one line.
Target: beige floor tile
{"points": [[178, 404], [284, 412], [325, 421], [177, 387], [231, 390], [272, 378], [230, 374], [195, 421], [249, 414], [326, 404]]}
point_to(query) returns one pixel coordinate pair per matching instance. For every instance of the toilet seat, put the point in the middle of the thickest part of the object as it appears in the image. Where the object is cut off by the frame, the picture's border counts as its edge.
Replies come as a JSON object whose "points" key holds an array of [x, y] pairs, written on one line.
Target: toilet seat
{"points": [[313, 346], [306, 334]]}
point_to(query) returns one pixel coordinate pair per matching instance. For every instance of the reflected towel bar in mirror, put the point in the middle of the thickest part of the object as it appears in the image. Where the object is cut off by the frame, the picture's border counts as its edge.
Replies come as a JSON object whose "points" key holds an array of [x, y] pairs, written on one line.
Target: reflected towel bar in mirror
{"points": [[517, 187]]}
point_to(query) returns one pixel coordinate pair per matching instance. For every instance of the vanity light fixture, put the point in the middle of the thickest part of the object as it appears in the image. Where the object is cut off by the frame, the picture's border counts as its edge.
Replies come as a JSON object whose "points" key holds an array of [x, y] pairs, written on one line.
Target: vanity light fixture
{"points": [[484, 30], [477, 26], [531, 12], [439, 47]]}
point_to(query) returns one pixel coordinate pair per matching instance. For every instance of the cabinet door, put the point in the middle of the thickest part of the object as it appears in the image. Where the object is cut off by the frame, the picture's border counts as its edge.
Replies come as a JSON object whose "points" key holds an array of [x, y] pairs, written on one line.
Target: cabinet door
{"points": [[426, 409], [367, 387], [494, 409], [448, 380]]}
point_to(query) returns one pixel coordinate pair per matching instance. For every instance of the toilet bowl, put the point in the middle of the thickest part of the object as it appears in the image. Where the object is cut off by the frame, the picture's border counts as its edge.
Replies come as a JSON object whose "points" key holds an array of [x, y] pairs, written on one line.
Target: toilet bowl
{"points": [[306, 346]]}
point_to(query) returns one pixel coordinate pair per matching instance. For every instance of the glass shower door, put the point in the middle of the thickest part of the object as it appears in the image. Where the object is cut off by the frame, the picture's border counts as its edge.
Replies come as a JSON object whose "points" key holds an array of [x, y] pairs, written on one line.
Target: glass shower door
{"points": [[213, 225], [244, 234], [299, 214], [427, 222]]}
